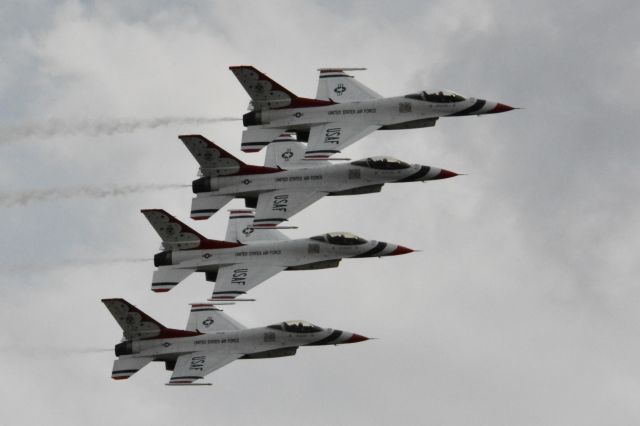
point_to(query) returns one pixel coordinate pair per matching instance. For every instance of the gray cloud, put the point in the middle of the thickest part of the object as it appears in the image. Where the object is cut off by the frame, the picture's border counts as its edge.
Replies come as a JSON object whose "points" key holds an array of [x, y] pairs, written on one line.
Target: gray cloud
{"points": [[50, 264], [522, 308]]}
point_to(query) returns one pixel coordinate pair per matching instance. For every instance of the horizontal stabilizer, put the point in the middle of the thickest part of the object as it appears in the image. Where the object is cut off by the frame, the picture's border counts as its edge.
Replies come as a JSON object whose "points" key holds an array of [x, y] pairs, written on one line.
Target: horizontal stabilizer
{"points": [[255, 138], [167, 277], [225, 300], [125, 366], [205, 205], [187, 384]]}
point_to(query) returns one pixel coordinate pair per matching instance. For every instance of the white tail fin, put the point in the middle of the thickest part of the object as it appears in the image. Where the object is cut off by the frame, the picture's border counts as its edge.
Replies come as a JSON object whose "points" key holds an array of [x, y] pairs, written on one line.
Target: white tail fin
{"points": [[242, 230], [336, 85], [207, 318], [288, 154]]}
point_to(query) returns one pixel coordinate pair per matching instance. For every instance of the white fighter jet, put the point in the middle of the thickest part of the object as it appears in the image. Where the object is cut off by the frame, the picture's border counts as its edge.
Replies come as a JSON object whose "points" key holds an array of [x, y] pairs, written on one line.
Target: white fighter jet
{"points": [[248, 256], [343, 111], [287, 183], [211, 341]]}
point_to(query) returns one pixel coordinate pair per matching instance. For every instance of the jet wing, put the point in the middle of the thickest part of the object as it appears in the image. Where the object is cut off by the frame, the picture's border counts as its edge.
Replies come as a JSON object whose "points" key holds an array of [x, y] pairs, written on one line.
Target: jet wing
{"points": [[331, 138], [336, 85], [235, 280], [275, 207], [196, 365]]}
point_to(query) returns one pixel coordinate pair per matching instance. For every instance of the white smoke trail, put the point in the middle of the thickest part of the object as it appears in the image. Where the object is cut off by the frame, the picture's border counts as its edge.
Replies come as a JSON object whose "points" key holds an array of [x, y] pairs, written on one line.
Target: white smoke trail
{"points": [[58, 127], [22, 198], [17, 268], [33, 351]]}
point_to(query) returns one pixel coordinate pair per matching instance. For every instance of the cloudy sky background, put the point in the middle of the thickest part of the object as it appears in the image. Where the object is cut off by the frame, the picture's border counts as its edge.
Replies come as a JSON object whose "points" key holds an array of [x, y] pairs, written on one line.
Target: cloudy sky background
{"points": [[521, 309]]}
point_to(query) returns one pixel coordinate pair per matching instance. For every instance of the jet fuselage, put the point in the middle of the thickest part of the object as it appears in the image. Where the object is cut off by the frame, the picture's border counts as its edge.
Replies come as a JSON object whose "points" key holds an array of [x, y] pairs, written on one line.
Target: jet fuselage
{"points": [[250, 341], [386, 113], [335, 179], [292, 254]]}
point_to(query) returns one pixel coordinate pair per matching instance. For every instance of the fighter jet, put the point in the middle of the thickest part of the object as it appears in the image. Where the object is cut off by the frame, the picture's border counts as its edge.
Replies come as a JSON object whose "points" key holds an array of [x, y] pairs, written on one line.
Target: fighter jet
{"points": [[287, 183], [248, 256], [211, 341], [343, 111]]}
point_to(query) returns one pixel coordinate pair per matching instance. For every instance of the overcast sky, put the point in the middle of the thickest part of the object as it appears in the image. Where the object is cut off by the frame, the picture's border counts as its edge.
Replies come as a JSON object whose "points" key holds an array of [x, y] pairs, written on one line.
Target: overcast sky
{"points": [[522, 308]]}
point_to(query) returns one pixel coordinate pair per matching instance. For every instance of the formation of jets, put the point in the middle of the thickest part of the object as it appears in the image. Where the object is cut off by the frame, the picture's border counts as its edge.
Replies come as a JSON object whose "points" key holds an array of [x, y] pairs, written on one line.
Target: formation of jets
{"points": [[301, 136]]}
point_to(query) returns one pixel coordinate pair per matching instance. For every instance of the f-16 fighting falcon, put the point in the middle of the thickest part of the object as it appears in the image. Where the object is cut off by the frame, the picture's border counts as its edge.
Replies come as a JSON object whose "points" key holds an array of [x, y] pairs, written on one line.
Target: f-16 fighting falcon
{"points": [[343, 111], [287, 183], [211, 341], [248, 256]]}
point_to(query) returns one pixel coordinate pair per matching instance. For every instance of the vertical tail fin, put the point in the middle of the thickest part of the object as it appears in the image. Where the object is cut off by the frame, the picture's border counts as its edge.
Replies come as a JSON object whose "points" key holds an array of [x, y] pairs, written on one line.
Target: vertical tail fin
{"points": [[288, 153], [267, 94], [341, 87], [264, 92], [213, 160], [135, 324], [241, 228], [209, 318], [178, 236]]}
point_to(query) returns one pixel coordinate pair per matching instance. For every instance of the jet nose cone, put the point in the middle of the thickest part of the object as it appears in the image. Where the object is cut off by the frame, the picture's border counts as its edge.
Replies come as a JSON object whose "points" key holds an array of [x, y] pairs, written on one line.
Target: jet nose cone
{"points": [[500, 108], [400, 250], [355, 338], [445, 174]]}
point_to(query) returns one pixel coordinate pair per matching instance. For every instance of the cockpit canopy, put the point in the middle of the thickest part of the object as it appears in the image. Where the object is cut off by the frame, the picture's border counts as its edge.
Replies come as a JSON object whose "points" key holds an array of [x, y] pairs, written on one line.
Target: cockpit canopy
{"points": [[381, 163], [296, 327], [440, 96], [340, 238]]}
